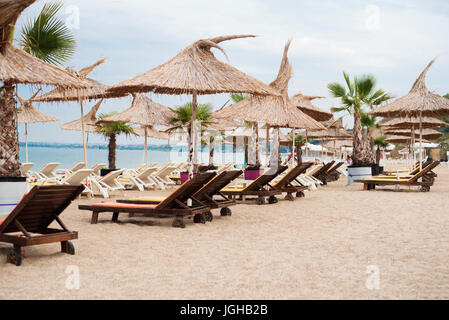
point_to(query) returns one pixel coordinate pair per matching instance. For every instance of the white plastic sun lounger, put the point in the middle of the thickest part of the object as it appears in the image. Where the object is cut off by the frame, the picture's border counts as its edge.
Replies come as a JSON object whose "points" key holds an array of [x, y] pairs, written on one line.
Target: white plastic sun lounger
{"points": [[25, 169], [141, 180], [161, 177], [76, 178], [108, 183], [47, 172]]}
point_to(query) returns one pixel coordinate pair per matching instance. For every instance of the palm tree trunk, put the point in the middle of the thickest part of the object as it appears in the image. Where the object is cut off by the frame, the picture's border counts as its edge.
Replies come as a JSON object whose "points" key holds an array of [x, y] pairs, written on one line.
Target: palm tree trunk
{"points": [[9, 139], [298, 154], [112, 147], [358, 156], [378, 155]]}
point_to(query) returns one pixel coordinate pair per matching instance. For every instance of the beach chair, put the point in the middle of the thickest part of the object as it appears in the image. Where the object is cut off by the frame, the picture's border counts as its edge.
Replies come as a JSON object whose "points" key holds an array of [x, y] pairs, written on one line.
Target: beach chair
{"points": [[308, 179], [108, 183], [332, 173], [424, 179], [260, 188], [320, 175], [75, 179], [205, 195], [141, 180], [25, 169], [174, 206], [161, 176], [285, 183], [47, 172], [65, 172], [96, 169], [28, 223]]}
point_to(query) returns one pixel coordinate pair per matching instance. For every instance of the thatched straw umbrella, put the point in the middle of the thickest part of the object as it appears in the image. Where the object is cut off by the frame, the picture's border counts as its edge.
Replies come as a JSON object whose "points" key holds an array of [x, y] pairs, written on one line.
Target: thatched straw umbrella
{"points": [[96, 90], [413, 122], [27, 113], [19, 67], [304, 103], [145, 112], [419, 102], [195, 70], [273, 110], [429, 134]]}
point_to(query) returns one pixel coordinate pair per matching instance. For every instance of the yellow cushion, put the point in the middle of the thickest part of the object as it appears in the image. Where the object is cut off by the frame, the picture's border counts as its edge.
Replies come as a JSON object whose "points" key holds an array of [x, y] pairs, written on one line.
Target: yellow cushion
{"points": [[150, 199]]}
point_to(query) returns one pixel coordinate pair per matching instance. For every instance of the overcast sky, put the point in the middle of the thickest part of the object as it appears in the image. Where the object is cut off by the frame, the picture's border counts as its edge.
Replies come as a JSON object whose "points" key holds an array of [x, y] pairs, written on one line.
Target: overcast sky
{"points": [[391, 39]]}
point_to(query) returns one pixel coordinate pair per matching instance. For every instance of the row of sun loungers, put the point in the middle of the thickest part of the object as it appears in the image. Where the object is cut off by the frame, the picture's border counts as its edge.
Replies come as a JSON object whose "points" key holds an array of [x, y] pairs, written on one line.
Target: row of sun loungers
{"points": [[28, 224]]}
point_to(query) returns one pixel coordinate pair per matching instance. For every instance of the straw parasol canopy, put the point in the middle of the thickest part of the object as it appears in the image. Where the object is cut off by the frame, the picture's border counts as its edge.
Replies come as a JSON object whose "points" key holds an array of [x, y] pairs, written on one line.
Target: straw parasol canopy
{"points": [[151, 133], [429, 134], [27, 113], [96, 90], [274, 110], [145, 112], [412, 122], [399, 139], [419, 101], [90, 120], [304, 103], [195, 70], [17, 66]]}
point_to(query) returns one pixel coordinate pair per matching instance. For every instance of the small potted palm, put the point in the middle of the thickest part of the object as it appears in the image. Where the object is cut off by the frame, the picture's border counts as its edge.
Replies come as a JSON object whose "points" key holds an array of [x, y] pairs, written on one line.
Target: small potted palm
{"points": [[110, 130], [358, 94], [380, 144]]}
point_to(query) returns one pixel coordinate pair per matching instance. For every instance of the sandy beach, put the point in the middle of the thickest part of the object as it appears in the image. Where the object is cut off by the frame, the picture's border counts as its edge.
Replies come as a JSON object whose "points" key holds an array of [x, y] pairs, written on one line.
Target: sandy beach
{"points": [[323, 246]]}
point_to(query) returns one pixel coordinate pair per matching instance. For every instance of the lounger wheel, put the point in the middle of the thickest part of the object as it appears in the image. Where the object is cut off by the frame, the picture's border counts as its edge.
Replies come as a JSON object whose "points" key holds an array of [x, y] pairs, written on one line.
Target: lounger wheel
{"points": [[225, 212], [272, 199], [199, 218], [179, 223], [425, 188], [67, 247], [289, 197], [209, 216], [260, 200], [14, 256], [300, 194]]}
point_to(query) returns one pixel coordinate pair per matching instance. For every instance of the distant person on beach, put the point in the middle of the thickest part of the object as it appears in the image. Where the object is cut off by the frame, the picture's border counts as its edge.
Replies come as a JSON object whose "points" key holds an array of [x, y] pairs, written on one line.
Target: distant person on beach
{"points": [[348, 160]]}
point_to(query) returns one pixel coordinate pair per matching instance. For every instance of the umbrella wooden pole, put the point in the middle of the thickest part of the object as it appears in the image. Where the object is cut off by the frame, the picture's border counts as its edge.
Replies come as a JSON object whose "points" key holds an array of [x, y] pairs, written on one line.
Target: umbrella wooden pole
{"points": [[293, 146], [146, 146], [257, 144], [420, 141], [305, 146], [26, 141], [267, 144], [193, 147], [168, 149], [83, 134]]}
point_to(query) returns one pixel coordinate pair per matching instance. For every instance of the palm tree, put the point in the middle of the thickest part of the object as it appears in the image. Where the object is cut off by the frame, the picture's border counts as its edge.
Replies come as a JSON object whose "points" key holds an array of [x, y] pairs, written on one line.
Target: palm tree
{"points": [[368, 123], [110, 130], [380, 142], [359, 93], [300, 141], [47, 37], [183, 119]]}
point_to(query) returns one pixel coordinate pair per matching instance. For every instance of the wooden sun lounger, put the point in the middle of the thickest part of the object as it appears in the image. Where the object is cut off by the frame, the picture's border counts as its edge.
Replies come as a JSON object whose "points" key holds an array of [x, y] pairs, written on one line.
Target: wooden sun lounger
{"points": [[425, 175], [173, 206], [205, 195], [285, 183], [332, 173], [321, 174], [259, 188], [28, 223]]}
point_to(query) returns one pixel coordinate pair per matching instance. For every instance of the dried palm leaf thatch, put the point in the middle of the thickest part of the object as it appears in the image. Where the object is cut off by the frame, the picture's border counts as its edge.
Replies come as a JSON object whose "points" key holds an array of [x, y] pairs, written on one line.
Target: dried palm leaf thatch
{"points": [[224, 124], [399, 139], [429, 134], [329, 134], [409, 122], [151, 133], [28, 114], [195, 70], [143, 111], [304, 103], [419, 101], [96, 90], [17, 66], [274, 110], [90, 120]]}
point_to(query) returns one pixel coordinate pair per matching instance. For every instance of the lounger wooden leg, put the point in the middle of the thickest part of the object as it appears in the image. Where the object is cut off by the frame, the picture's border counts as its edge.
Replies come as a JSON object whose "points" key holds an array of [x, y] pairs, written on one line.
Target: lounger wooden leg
{"points": [[94, 218], [115, 216], [67, 247], [365, 186]]}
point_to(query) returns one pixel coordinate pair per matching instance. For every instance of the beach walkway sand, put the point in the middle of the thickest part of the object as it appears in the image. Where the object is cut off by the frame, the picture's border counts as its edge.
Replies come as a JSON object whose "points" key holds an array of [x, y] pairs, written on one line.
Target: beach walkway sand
{"points": [[338, 242]]}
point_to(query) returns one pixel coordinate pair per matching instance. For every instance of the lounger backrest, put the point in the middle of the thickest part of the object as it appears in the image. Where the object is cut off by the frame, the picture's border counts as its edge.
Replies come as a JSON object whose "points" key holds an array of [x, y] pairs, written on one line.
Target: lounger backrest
{"points": [[293, 173], [217, 183], [334, 168], [111, 176], [145, 173], [425, 170], [77, 166], [265, 179], [25, 167], [78, 177], [165, 172], [48, 168], [39, 208], [324, 168], [96, 168], [186, 190]]}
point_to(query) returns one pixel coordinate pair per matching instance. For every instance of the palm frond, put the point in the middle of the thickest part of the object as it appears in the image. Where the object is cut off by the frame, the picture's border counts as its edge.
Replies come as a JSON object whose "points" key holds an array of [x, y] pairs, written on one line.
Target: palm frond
{"points": [[47, 37], [336, 90]]}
